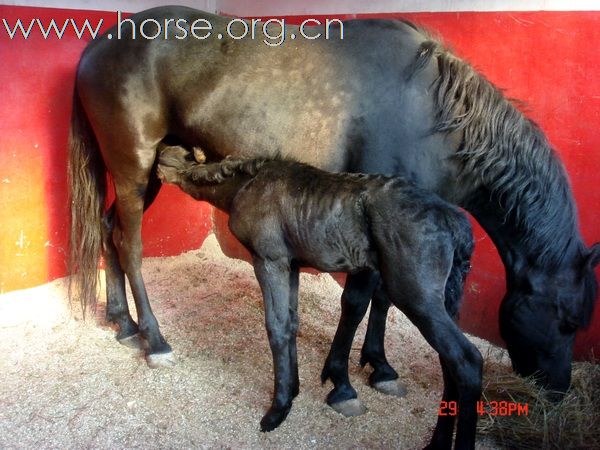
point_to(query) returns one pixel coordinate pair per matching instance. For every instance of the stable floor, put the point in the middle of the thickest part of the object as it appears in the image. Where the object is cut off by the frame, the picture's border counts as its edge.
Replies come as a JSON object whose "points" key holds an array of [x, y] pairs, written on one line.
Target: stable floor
{"points": [[67, 384]]}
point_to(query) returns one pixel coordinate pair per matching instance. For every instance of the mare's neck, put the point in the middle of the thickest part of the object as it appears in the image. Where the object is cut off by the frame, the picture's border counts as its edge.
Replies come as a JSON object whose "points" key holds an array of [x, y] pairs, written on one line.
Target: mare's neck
{"points": [[525, 250]]}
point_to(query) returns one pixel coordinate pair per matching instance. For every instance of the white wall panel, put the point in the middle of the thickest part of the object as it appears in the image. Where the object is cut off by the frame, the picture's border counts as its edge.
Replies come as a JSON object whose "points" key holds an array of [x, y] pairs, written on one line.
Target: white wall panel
{"points": [[112, 5], [291, 7]]}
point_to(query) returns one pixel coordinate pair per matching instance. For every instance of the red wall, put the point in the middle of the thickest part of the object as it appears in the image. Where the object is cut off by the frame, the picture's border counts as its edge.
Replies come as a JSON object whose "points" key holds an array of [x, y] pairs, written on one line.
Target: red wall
{"points": [[36, 85], [551, 60]]}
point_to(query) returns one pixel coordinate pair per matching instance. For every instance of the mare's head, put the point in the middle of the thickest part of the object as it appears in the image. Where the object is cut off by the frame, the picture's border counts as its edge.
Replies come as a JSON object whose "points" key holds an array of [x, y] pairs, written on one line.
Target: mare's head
{"points": [[541, 314]]}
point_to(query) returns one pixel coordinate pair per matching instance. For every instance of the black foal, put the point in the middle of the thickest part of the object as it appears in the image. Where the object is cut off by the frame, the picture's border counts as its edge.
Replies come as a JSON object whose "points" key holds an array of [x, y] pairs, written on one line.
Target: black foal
{"points": [[375, 228]]}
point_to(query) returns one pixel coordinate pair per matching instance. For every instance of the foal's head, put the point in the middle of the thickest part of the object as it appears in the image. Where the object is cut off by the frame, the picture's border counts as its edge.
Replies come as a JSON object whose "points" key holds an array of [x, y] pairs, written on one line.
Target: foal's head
{"points": [[176, 165], [174, 161]]}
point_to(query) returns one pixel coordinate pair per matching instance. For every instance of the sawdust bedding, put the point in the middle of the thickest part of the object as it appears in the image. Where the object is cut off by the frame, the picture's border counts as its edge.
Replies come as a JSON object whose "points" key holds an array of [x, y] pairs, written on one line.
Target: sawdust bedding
{"points": [[65, 383]]}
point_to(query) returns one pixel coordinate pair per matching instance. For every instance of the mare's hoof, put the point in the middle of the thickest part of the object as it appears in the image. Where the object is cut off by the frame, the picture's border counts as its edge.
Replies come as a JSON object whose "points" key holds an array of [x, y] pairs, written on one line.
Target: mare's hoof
{"points": [[156, 360], [134, 341], [349, 408], [390, 387]]}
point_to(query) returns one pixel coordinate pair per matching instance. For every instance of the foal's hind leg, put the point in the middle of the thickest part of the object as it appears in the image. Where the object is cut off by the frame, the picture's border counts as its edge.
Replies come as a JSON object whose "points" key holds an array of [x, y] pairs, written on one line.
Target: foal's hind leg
{"points": [[442, 435], [384, 378], [462, 370], [293, 350], [444, 428], [461, 363], [355, 300]]}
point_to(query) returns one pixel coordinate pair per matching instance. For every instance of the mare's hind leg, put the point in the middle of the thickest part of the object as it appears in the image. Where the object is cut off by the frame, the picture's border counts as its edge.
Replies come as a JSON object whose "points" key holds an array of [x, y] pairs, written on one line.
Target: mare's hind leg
{"points": [[117, 310], [355, 300], [383, 378], [131, 174]]}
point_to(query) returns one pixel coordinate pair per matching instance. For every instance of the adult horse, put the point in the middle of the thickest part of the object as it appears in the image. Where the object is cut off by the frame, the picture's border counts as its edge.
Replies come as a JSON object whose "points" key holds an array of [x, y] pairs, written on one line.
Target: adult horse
{"points": [[387, 98]]}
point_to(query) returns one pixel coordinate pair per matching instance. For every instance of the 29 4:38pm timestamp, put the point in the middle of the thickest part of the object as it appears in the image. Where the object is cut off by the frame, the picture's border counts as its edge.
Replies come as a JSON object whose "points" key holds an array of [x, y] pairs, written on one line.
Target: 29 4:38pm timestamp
{"points": [[492, 408]]}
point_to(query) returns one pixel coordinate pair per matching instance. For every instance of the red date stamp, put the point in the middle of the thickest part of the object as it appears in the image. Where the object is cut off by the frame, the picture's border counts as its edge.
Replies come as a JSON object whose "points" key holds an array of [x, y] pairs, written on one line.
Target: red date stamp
{"points": [[492, 408]]}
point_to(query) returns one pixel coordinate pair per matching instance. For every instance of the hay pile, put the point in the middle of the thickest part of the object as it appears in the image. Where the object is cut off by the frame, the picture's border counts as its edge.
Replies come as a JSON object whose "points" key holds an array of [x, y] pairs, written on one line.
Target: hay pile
{"points": [[573, 423]]}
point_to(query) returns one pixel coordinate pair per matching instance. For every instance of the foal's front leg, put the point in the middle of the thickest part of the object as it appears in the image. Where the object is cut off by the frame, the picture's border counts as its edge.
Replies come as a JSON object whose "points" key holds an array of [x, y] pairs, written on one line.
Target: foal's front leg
{"points": [[275, 279]]}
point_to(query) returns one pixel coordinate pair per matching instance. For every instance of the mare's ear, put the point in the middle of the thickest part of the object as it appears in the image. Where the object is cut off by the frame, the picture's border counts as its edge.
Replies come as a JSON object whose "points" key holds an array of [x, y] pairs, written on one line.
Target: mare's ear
{"points": [[593, 257]]}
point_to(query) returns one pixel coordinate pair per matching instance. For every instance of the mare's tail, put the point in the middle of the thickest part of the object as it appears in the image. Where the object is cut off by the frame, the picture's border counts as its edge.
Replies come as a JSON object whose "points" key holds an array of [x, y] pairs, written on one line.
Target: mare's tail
{"points": [[87, 181]]}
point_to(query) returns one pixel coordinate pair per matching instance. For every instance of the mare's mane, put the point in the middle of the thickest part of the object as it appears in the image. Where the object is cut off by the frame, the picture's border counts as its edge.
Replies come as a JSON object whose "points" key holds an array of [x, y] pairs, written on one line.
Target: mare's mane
{"points": [[506, 153]]}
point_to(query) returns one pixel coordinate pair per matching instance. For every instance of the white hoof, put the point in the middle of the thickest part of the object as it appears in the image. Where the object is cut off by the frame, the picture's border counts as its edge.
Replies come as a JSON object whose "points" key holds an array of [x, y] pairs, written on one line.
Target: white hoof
{"points": [[391, 387], [349, 408], [134, 341], [161, 360]]}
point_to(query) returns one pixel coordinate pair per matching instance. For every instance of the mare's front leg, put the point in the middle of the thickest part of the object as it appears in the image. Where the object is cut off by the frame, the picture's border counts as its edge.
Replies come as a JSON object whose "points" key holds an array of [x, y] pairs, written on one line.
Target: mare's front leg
{"points": [[355, 301], [276, 280], [383, 378]]}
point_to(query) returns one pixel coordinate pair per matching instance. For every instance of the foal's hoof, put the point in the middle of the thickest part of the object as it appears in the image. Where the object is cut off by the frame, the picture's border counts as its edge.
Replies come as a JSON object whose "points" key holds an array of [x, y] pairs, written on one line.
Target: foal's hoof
{"points": [[349, 408], [390, 387], [273, 418], [156, 360], [134, 341]]}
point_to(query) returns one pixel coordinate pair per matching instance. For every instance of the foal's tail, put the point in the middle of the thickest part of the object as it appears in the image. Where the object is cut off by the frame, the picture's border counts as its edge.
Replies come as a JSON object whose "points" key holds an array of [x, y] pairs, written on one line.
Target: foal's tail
{"points": [[462, 235], [87, 181]]}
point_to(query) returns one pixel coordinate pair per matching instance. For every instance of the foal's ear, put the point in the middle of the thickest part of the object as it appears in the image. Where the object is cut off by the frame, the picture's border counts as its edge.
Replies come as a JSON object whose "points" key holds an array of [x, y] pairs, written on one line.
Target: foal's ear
{"points": [[593, 257]]}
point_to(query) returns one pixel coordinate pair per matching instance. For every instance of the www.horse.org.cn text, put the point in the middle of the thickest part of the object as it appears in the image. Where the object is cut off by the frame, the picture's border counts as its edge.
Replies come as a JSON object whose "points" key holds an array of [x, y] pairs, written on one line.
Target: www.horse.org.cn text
{"points": [[272, 31]]}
